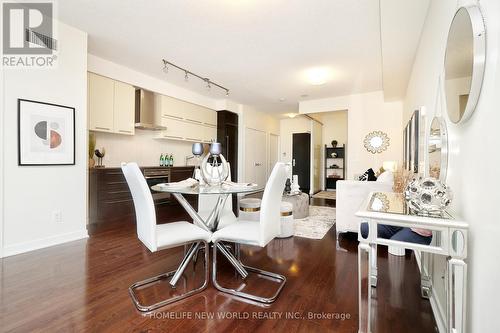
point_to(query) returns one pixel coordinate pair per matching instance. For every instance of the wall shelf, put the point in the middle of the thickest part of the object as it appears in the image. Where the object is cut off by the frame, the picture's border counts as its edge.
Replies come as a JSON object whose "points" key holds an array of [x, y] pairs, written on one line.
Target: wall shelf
{"points": [[331, 182]]}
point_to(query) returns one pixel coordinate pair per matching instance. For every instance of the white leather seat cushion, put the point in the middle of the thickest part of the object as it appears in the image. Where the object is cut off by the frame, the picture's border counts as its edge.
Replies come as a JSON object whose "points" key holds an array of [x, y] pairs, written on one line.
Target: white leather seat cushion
{"points": [[244, 232], [177, 233]]}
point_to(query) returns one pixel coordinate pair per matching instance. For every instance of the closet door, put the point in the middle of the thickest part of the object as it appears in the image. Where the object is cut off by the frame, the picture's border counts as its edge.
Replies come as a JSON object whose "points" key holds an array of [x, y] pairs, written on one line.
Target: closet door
{"points": [[255, 156]]}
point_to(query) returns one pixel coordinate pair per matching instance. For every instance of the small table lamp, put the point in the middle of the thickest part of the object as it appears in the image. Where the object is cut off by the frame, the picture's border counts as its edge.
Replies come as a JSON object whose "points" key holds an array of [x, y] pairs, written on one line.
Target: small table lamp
{"points": [[390, 166]]}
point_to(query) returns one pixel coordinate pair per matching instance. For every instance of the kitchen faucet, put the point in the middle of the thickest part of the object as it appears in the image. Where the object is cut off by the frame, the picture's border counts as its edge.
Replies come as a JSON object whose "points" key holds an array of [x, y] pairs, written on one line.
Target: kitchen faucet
{"points": [[187, 158]]}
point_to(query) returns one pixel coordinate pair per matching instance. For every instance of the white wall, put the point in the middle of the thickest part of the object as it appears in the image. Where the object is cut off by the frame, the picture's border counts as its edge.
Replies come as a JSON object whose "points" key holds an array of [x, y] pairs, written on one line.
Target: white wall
{"points": [[473, 160], [334, 127], [365, 113], [288, 127], [31, 194]]}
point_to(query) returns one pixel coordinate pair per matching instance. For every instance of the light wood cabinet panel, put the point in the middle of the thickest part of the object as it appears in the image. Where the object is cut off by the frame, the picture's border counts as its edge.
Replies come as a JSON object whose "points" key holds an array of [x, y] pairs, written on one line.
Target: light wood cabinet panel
{"points": [[171, 107], [124, 108], [100, 103], [193, 132], [209, 117], [175, 128], [209, 133]]}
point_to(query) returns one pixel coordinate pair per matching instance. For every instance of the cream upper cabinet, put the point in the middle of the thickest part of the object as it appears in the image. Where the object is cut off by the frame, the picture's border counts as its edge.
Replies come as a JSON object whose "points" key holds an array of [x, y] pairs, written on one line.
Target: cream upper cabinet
{"points": [[124, 108], [184, 120], [111, 105], [170, 107], [209, 133], [100, 103]]}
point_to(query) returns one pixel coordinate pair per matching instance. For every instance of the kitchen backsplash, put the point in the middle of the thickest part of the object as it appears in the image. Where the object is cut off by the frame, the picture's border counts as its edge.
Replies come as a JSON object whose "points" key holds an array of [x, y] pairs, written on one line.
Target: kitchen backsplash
{"points": [[142, 148]]}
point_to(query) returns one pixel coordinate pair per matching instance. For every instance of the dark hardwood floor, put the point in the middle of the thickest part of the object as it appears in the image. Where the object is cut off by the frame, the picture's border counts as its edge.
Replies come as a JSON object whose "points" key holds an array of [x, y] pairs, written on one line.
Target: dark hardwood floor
{"points": [[82, 287]]}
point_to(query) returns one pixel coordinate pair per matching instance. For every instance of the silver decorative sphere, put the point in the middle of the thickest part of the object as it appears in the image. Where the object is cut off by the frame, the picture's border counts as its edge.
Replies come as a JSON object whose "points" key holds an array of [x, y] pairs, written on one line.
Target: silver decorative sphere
{"points": [[428, 196]]}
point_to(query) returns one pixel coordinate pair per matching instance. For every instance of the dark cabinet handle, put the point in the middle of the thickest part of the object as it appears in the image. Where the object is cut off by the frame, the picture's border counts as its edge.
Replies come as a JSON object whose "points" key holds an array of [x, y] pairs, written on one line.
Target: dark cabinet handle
{"points": [[227, 147]]}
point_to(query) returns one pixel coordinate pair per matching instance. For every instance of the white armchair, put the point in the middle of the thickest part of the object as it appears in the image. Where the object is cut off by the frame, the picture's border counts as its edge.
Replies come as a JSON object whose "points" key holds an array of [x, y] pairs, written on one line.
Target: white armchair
{"points": [[350, 196]]}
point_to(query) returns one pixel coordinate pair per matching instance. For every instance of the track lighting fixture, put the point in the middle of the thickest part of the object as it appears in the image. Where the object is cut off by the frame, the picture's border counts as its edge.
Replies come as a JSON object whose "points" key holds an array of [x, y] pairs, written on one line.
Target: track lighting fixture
{"points": [[209, 83]]}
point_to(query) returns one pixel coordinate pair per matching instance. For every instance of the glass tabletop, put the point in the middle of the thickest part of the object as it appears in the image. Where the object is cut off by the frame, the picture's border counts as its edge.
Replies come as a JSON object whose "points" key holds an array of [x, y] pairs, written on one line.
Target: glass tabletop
{"points": [[205, 189], [395, 203]]}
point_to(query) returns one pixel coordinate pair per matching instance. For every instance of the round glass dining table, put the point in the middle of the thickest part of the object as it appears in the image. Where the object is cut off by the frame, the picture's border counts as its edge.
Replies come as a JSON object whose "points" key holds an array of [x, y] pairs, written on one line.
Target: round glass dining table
{"points": [[211, 222]]}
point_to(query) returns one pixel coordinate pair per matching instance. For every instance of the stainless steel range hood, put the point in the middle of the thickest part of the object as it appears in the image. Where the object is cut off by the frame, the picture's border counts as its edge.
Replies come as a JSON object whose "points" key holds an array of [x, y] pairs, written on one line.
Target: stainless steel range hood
{"points": [[145, 117]]}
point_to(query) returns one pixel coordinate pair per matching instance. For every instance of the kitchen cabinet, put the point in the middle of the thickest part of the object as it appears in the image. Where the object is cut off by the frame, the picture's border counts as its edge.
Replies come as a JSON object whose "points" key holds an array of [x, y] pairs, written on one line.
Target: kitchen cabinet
{"points": [[124, 108], [169, 107], [209, 133], [175, 129], [110, 200], [100, 103], [185, 121], [111, 105]]}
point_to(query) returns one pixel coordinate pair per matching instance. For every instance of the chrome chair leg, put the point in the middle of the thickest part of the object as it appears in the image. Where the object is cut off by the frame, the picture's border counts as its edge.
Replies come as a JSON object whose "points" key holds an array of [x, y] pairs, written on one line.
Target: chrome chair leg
{"points": [[267, 300], [152, 280]]}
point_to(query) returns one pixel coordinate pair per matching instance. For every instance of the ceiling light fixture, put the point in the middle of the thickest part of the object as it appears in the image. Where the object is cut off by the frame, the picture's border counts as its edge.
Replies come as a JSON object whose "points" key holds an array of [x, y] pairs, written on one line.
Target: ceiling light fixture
{"points": [[188, 72], [318, 76], [292, 115]]}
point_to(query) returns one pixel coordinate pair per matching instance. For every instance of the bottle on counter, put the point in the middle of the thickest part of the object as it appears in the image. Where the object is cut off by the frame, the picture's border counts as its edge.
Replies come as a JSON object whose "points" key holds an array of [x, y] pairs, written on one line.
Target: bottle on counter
{"points": [[171, 160], [167, 160], [162, 160]]}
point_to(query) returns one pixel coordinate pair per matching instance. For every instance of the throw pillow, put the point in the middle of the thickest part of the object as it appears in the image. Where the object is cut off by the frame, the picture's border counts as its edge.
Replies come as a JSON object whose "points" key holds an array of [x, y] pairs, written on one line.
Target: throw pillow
{"points": [[369, 175]]}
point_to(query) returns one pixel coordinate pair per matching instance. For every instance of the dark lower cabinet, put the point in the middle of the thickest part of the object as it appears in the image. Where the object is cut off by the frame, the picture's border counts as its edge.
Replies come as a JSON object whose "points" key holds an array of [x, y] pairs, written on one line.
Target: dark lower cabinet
{"points": [[110, 200]]}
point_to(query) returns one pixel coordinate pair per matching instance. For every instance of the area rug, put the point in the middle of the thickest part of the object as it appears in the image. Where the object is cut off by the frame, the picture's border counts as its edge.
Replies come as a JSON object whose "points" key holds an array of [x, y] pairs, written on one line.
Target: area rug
{"points": [[317, 224], [326, 195]]}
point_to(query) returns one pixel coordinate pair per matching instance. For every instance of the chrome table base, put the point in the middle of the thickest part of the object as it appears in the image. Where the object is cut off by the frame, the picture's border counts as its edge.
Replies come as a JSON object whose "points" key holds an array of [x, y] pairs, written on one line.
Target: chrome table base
{"points": [[239, 293], [210, 224], [155, 279]]}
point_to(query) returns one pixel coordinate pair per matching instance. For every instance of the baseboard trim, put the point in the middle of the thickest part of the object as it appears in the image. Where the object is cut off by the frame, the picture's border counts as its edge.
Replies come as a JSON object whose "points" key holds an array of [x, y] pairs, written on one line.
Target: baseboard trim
{"points": [[437, 309], [12, 250]]}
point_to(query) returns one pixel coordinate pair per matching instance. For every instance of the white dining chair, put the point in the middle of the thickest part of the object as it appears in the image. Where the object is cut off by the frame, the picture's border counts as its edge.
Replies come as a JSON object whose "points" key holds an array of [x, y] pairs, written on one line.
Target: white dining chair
{"points": [[159, 237], [257, 233]]}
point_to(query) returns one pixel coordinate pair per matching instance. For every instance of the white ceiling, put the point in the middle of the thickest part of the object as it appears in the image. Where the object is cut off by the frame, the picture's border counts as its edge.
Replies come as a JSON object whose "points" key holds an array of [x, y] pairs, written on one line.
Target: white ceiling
{"points": [[258, 49], [401, 26]]}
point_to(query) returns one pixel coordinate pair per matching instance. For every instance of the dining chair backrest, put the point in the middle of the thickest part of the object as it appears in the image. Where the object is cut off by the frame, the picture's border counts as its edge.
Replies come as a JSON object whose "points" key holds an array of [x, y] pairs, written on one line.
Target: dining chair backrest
{"points": [[270, 226], [144, 205]]}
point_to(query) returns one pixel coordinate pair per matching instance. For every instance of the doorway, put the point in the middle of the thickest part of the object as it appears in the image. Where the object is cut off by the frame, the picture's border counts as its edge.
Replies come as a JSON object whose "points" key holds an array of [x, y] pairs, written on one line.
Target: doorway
{"points": [[301, 159]]}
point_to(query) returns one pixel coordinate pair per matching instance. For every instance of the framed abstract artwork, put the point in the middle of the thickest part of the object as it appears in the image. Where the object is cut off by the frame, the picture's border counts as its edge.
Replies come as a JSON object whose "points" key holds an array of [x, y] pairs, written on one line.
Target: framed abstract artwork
{"points": [[46, 133]]}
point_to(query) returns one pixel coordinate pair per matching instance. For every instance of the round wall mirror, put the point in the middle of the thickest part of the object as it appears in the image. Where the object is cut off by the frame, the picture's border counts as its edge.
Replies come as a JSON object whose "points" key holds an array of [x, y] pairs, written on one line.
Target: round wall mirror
{"points": [[376, 142], [438, 149], [464, 63]]}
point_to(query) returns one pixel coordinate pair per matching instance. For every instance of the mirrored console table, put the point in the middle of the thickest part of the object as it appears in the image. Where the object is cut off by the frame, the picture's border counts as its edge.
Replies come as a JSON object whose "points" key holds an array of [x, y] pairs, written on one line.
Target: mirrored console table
{"points": [[449, 239]]}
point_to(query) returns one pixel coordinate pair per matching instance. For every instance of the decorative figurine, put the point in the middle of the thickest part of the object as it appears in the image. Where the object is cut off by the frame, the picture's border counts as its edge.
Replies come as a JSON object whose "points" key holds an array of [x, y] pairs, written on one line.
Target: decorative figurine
{"points": [[214, 167], [288, 186], [100, 155]]}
